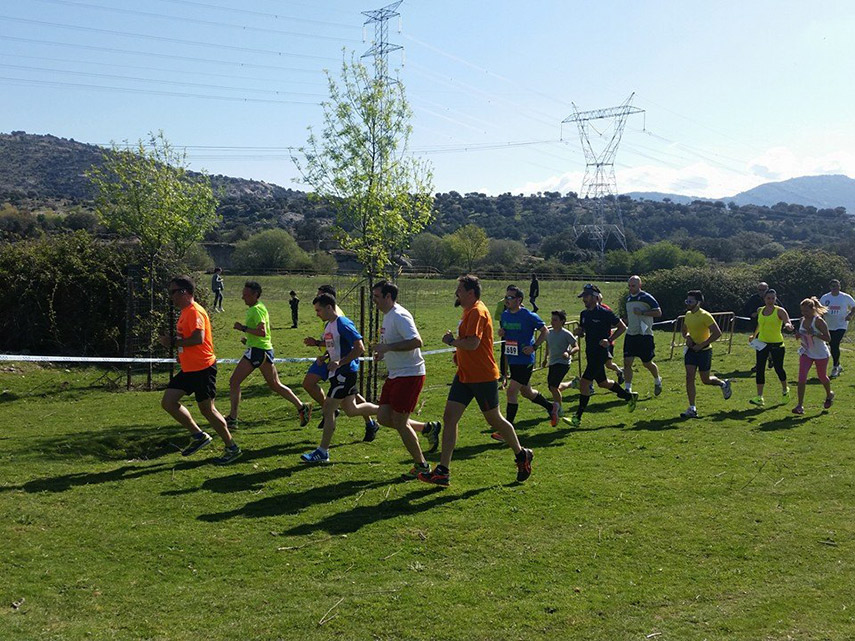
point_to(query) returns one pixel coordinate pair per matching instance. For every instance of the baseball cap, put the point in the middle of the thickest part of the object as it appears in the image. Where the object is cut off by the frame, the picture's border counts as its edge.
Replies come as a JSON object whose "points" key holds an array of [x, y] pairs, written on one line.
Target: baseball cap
{"points": [[589, 289]]}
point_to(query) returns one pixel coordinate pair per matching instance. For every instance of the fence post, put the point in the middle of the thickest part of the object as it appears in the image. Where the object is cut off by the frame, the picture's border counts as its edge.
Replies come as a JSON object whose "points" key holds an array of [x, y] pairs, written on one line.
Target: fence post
{"points": [[362, 331]]}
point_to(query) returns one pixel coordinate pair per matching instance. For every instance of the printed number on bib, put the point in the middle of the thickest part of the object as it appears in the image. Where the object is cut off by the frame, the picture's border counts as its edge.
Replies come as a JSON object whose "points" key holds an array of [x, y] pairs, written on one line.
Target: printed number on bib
{"points": [[512, 348]]}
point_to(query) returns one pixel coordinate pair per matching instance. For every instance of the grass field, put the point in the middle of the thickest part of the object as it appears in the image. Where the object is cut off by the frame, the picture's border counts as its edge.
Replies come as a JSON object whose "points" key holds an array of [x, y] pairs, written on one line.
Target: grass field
{"points": [[635, 526]]}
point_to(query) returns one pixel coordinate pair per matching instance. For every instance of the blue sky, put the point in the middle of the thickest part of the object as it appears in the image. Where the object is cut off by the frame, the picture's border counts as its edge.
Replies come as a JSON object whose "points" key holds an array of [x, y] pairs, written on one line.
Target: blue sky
{"points": [[734, 93]]}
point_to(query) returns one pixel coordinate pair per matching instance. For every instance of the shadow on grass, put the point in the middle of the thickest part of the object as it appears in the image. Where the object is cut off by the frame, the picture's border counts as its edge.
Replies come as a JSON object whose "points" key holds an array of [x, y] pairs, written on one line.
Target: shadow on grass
{"points": [[116, 442], [747, 414], [67, 481], [736, 374], [659, 425], [786, 423], [295, 502], [352, 520]]}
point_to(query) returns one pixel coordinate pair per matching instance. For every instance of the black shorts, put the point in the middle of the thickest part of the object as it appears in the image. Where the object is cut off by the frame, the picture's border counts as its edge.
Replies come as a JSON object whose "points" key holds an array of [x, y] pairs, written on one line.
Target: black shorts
{"points": [[343, 383], [640, 346], [202, 383], [556, 374], [256, 356], [595, 367], [702, 360], [521, 373], [486, 394]]}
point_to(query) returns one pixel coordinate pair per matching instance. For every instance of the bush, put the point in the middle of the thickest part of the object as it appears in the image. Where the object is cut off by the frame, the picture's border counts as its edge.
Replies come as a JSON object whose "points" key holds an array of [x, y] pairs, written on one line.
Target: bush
{"points": [[796, 275], [271, 249], [197, 259], [324, 263], [724, 289]]}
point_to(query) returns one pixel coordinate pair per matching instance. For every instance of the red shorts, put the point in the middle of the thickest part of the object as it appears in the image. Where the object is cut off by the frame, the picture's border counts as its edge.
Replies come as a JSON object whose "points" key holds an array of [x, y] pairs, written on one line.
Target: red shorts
{"points": [[402, 393]]}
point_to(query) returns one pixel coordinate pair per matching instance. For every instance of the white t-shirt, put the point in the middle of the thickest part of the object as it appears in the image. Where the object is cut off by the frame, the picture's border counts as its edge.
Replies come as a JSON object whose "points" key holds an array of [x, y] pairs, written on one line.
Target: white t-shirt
{"points": [[398, 325], [838, 308]]}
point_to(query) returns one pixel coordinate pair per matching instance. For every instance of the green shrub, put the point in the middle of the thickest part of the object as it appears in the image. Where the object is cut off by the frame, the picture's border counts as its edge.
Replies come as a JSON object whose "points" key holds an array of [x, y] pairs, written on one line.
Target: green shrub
{"points": [[271, 249], [724, 289], [796, 275]]}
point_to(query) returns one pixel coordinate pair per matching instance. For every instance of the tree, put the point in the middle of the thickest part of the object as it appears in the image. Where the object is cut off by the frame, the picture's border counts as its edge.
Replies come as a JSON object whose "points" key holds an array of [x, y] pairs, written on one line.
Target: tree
{"points": [[430, 250], [469, 244], [358, 164], [271, 249]]}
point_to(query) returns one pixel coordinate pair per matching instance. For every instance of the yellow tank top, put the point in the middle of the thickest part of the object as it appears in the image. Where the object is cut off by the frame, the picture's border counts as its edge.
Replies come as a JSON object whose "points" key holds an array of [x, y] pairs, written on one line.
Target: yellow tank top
{"points": [[769, 327]]}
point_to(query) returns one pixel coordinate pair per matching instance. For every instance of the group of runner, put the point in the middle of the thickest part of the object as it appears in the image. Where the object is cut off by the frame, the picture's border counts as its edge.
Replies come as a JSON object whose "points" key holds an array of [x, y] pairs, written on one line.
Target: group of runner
{"points": [[478, 377]]}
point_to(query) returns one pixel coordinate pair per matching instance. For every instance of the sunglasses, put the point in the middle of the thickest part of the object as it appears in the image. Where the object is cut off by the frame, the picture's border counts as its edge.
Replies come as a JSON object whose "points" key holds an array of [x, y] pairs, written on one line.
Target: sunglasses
{"points": [[512, 297]]}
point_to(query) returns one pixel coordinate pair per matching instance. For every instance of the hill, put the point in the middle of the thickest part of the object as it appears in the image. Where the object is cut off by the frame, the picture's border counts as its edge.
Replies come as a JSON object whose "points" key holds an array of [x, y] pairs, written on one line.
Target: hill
{"points": [[816, 191]]}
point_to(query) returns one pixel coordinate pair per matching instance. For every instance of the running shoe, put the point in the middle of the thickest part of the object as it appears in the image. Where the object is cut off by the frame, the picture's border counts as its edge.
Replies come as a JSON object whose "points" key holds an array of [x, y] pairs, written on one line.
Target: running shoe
{"points": [[497, 437], [553, 415], [435, 477], [574, 421], [835, 372], [828, 401], [305, 414], [196, 444], [689, 413], [726, 391], [231, 423], [798, 409], [574, 383], [371, 429], [315, 456], [523, 461], [759, 401], [633, 401], [414, 472], [230, 455], [431, 433], [786, 394], [620, 377], [657, 388]]}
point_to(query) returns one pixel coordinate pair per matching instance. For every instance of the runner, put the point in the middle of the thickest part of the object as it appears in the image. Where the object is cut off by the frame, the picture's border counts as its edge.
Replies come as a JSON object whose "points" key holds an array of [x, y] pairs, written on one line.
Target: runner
{"points": [[503, 360], [595, 324], [318, 372], [477, 377], [217, 287], [814, 335], [610, 363], [841, 309], [700, 330], [560, 347], [259, 354], [400, 347], [344, 347], [517, 331], [198, 375], [770, 341], [641, 309], [294, 302]]}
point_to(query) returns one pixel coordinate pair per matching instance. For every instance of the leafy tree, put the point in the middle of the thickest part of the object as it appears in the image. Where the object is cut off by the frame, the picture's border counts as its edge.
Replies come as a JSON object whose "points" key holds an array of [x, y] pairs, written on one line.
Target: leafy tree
{"points": [[271, 249], [469, 244], [430, 250], [507, 253]]}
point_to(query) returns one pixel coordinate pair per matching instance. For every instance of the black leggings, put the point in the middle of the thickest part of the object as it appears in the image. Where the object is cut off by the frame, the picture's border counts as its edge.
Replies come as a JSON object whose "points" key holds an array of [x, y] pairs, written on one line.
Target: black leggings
{"points": [[218, 298], [836, 337], [775, 353]]}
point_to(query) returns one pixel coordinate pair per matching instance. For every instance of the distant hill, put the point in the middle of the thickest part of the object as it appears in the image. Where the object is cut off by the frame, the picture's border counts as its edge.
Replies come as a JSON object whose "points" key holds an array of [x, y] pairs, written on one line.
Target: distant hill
{"points": [[822, 192]]}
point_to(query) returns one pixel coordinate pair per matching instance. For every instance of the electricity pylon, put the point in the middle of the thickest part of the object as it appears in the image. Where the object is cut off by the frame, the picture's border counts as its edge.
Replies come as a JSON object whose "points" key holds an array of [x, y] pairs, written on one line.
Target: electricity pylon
{"points": [[380, 46], [599, 182]]}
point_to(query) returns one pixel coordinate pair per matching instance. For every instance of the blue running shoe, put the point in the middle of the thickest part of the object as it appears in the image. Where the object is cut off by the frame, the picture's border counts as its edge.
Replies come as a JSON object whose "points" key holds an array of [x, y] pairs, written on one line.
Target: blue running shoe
{"points": [[315, 456], [371, 429]]}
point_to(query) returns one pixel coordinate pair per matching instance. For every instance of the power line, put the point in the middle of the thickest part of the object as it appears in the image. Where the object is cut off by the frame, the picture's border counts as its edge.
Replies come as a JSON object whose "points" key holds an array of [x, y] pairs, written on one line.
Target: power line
{"points": [[194, 43], [262, 14], [211, 23]]}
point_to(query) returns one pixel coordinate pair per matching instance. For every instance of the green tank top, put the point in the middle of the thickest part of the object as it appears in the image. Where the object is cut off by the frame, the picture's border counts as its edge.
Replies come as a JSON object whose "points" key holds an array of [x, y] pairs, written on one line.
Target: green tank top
{"points": [[769, 327]]}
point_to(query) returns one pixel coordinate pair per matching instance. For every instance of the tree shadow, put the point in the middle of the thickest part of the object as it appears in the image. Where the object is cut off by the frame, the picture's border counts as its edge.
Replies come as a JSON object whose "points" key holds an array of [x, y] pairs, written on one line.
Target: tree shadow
{"points": [[294, 502], [358, 517]]}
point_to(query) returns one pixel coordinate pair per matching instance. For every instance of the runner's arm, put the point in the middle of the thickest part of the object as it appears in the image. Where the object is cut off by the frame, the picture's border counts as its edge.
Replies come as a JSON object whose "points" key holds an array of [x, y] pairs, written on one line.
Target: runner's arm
{"points": [[196, 338]]}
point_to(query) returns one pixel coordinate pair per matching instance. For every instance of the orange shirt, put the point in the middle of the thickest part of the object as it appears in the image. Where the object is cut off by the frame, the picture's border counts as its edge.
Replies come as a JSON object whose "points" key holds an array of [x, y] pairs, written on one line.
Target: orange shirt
{"points": [[195, 357], [477, 365]]}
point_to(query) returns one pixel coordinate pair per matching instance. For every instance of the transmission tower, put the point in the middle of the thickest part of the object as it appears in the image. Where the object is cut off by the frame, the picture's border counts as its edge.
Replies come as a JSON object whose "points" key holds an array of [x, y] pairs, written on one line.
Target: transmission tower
{"points": [[599, 182], [381, 47]]}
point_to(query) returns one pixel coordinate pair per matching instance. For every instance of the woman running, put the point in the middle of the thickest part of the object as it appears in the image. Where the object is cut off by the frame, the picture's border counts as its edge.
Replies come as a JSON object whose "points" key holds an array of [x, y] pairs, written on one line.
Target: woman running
{"points": [[770, 320], [814, 337]]}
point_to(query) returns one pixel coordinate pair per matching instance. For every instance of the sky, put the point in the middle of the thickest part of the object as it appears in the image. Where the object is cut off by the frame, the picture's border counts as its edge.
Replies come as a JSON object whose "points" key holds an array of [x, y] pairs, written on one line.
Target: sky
{"points": [[734, 94]]}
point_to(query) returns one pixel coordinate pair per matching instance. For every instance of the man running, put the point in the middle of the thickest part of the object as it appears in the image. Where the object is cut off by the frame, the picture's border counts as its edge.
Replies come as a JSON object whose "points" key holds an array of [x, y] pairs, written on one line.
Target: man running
{"points": [[477, 377], [318, 372], [841, 309], [560, 347], [259, 354], [700, 330], [194, 342], [595, 324], [400, 347], [344, 347], [641, 309], [517, 331]]}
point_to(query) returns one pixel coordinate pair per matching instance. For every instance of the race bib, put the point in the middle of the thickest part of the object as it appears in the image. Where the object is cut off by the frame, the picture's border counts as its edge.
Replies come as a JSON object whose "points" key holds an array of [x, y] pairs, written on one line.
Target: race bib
{"points": [[512, 348]]}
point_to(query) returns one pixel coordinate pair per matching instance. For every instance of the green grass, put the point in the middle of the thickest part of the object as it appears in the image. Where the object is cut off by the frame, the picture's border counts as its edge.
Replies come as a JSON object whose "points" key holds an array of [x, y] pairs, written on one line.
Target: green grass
{"points": [[735, 526]]}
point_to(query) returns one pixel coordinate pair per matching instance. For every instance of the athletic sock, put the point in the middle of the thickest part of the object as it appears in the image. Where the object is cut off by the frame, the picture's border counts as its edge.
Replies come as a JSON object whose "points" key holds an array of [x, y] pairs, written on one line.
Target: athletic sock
{"points": [[583, 403], [628, 388], [441, 469], [199, 435], [658, 380], [512, 412], [540, 400]]}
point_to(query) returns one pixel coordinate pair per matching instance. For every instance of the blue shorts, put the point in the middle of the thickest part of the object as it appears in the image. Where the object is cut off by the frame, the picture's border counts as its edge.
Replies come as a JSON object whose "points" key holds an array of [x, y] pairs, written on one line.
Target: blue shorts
{"points": [[319, 370], [702, 360]]}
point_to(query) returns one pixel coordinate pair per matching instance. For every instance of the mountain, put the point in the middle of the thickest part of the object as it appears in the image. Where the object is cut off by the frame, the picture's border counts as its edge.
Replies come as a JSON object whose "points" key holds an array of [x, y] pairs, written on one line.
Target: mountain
{"points": [[822, 192]]}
